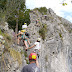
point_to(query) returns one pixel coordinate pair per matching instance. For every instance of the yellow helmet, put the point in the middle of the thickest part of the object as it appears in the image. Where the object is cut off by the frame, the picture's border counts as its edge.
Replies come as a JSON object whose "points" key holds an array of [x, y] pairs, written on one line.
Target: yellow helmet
{"points": [[39, 39], [25, 23], [23, 30]]}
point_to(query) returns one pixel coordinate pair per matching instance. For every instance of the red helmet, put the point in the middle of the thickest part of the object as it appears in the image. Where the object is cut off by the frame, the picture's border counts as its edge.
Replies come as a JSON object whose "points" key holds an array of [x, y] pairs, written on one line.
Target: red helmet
{"points": [[32, 56]]}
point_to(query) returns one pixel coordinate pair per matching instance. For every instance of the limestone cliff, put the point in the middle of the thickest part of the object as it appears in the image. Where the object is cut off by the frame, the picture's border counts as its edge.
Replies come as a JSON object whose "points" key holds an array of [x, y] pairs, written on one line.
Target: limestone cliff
{"points": [[56, 44], [56, 47]]}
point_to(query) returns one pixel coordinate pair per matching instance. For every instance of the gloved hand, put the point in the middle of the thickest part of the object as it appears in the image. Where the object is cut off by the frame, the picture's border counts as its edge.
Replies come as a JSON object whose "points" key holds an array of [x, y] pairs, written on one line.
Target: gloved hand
{"points": [[26, 49]]}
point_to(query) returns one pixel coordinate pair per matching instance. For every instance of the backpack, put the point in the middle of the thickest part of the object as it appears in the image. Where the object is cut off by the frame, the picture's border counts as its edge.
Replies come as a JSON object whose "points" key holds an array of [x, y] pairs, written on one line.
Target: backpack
{"points": [[27, 34]]}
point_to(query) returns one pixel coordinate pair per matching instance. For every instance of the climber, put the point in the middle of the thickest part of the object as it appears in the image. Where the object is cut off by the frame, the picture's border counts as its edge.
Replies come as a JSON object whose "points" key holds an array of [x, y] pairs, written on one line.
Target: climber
{"points": [[36, 47], [23, 35], [36, 21], [32, 67], [45, 16], [24, 27], [26, 39], [19, 37]]}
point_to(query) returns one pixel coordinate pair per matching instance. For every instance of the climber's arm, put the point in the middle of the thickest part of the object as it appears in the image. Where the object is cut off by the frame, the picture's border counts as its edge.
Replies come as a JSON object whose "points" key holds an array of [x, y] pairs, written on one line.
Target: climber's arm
{"points": [[32, 46], [19, 33]]}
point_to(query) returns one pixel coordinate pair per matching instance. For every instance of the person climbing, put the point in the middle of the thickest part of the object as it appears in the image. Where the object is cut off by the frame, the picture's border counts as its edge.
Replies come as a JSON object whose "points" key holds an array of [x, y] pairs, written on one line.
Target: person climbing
{"points": [[23, 35], [26, 39], [32, 67], [24, 27], [36, 47], [19, 37], [36, 21]]}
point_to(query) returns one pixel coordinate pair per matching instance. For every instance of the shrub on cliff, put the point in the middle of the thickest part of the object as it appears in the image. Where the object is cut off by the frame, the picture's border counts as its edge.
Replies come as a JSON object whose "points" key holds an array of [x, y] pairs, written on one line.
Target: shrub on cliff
{"points": [[42, 10], [42, 31]]}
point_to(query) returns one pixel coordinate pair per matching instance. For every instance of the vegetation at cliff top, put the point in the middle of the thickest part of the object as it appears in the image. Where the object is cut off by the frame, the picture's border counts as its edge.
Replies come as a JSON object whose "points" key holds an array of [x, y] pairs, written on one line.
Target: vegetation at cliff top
{"points": [[42, 10]]}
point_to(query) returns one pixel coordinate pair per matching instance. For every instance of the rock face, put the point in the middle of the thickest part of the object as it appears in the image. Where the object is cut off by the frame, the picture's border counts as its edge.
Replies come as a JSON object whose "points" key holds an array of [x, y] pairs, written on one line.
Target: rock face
{"points": [[56, 51], [56, 48], [12, 57]]}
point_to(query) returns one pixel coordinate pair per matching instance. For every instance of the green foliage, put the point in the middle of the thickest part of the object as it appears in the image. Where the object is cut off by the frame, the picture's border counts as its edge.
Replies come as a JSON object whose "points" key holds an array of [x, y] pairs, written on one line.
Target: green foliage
{"points": [[40, 23], [1, 33], [23, 18], [43, 31], [12, 24], [64, 4], [11, 10], [2, 4], [45, 27], [27, 16], [36, 9], [42, 10], [27, 61], [25, 54], [60, 34], [2, 9]]}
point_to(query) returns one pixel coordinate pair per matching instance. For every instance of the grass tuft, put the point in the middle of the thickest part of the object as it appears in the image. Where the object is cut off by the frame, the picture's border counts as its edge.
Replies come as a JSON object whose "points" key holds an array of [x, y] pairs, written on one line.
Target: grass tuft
{"points": [[16, 55]]}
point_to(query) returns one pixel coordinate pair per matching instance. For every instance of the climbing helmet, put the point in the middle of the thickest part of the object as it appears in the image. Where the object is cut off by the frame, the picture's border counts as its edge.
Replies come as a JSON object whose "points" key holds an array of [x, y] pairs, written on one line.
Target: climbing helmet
{"points": [[39, 39], [25, 23], [23, 31], [32, 56]]}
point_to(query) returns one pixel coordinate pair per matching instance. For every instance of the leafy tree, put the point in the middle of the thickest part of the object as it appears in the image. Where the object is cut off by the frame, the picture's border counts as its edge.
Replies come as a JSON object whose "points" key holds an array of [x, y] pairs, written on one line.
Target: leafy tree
{"points": [[64, 3], [13, 11], [18, 10], [2, 4], [23, 18], [2, 9]]}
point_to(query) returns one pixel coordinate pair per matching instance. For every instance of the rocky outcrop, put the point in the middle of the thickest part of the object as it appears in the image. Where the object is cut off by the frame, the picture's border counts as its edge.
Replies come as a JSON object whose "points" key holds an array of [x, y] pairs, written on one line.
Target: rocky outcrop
{"points": [[12, 57], [55, 55], [56, 47]]}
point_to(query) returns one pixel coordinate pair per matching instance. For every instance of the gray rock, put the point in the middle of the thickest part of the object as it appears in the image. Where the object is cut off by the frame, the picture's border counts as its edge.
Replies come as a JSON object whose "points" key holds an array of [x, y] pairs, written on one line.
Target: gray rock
{"points": [[16, 64], [1, 37], [56, 49], [18, 70]]}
